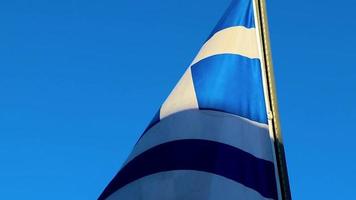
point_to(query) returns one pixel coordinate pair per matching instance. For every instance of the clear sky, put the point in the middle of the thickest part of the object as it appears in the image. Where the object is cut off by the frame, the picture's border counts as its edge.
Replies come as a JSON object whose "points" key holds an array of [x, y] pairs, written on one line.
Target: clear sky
{"points": [[80, 80]]}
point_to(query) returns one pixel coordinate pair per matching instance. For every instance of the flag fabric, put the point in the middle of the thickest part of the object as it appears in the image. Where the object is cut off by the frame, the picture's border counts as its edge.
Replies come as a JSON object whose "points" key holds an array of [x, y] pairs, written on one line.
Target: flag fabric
{"points": [[210, 139]]}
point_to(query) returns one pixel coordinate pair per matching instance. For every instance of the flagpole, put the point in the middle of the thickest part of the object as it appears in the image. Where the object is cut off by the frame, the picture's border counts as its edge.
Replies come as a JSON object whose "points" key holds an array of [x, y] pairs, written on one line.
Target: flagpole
{"points": [[279, 147]]}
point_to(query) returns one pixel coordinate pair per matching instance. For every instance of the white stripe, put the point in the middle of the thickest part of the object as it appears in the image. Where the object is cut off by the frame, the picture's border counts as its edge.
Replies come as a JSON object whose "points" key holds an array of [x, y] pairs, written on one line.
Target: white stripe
{"points": [[234, 40], [247, 135], [181, 98], [185, 185]]}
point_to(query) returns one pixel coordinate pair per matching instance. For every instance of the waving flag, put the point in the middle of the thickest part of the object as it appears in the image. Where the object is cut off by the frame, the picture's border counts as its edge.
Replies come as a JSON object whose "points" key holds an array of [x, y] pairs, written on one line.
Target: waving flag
{"points": [[212, 137]]}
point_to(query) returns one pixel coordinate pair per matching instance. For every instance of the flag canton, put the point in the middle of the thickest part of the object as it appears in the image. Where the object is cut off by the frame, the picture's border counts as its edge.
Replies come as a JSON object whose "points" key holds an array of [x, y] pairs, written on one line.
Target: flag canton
{"points": [[226, 74]]}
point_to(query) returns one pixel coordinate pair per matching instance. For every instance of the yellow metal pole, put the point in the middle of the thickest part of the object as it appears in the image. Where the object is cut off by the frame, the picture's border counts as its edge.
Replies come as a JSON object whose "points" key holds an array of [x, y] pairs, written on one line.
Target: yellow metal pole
{"points": [[279, 147]]}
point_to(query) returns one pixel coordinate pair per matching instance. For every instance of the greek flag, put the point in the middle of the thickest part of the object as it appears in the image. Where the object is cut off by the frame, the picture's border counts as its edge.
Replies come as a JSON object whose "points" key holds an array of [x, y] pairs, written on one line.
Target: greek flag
{"points": [[210, 139]]}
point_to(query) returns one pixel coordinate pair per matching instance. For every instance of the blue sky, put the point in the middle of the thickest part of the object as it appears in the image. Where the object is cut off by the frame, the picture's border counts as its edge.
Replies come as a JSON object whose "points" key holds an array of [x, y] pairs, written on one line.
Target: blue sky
{"points": [[80, 80]]}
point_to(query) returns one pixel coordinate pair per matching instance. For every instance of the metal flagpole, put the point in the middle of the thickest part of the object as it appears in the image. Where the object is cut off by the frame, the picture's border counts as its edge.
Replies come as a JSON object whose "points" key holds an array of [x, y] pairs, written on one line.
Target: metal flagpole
{"points": [[279, 148]]}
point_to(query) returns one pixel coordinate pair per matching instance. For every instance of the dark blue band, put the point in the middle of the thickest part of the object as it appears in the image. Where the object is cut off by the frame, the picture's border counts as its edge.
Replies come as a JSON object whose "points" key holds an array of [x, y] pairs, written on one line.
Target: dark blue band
{"points": [[199, 155]]}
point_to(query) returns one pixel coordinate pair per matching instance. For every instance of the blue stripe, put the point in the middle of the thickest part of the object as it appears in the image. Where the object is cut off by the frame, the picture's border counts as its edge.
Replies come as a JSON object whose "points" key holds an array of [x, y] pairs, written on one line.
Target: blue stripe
{"points": [[154, 121], [230, 83], [199, 155], [239, 13]]}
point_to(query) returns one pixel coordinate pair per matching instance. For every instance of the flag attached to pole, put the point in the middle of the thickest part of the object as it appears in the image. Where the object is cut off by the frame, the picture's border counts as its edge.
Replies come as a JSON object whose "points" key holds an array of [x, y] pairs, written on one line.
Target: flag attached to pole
{"points": [[213, 138]]}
